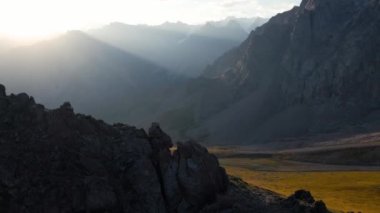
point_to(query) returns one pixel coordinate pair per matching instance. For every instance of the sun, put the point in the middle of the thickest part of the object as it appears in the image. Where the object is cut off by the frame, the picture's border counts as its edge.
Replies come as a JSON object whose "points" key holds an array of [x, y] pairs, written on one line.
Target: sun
{"points": [[40, 18], [24, 19], [28, 31]]}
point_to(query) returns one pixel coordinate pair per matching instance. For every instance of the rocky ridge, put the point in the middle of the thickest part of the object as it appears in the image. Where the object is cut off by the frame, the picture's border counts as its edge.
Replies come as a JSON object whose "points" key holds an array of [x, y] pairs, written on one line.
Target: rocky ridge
{"points": [[58, 161]]}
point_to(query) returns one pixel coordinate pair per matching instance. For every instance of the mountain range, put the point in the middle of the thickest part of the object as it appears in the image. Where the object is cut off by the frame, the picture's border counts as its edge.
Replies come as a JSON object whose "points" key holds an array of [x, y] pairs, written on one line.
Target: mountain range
{"points": [[298, 90], [108, 81], [303, 73], [179, 47], [96, 77]]}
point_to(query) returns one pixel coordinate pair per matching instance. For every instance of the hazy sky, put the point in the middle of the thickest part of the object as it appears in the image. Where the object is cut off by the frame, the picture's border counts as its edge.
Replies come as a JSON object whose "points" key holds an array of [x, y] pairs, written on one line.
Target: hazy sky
{"points": [[23, 18]]}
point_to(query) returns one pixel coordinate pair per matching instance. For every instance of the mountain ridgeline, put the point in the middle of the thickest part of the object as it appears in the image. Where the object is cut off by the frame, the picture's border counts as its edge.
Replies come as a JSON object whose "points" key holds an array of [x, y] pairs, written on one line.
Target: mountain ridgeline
{"points": [[179, 47], [57, 161], [97, 78], [308, 71], [120, 73], [304, 72]]}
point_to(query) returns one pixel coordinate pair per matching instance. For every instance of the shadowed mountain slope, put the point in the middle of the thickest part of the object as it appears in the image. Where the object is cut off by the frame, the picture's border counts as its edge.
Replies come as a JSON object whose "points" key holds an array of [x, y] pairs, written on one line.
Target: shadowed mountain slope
{"points": [[302, 73], [98, 79]]}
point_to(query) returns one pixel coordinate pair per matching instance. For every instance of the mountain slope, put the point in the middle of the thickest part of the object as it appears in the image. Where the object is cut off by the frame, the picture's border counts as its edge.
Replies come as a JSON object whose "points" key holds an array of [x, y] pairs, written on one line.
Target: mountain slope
{"points": [[97, 78], [302, 73]]}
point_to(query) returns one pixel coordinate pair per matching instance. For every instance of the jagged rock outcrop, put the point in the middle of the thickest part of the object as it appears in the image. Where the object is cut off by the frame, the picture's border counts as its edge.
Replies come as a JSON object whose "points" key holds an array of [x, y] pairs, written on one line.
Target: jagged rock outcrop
{"points": [[309, 204], [304, 72], [58, 161]]}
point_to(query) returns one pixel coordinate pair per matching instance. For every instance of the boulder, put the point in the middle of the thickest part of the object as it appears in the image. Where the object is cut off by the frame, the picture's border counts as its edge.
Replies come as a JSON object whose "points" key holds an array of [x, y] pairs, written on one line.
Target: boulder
{"points": [[303, 195], [303, 201], [199, 175]]}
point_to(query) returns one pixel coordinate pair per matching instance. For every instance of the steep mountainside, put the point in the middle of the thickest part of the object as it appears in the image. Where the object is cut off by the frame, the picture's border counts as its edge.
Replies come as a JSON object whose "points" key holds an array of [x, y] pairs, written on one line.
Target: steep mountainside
{"points": [[302, 73], [99, 79], [57, 161]]}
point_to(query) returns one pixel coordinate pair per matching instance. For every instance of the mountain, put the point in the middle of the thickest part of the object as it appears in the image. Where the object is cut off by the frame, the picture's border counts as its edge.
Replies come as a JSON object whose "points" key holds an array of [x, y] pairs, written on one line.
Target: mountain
{"points": [[168, 46], [179, 27], [248, 24], [230, 30], [257, 22], [99, 79], [59, 161], [302, 73], [178, 47]]}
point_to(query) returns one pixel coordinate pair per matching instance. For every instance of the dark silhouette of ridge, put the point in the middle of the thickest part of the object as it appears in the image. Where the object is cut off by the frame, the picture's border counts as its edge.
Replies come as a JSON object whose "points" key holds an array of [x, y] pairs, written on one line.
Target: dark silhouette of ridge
{"points": [[59, 161]]}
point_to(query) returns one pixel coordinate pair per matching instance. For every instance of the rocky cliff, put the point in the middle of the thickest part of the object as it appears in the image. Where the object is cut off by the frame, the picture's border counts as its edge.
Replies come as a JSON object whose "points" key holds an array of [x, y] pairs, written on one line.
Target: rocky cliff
{"points": [[58, 161], [307, 71]]}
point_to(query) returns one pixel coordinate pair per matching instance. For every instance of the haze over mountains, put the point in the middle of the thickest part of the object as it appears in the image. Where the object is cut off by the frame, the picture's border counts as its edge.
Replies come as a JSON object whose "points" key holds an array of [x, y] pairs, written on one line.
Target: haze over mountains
{"points": [[179, 47], [108, 81], [303, 73], [99, 79], [288, 103], [5, 44]]}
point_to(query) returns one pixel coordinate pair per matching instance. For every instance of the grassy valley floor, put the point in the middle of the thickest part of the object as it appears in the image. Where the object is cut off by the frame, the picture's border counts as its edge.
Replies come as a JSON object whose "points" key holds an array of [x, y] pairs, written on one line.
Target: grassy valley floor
{"points": [[343, 188]]}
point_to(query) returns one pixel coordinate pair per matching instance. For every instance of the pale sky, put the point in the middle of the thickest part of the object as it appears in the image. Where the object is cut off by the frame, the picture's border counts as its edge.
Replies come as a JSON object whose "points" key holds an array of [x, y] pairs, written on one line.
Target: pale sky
{"points": [[33, 18]]}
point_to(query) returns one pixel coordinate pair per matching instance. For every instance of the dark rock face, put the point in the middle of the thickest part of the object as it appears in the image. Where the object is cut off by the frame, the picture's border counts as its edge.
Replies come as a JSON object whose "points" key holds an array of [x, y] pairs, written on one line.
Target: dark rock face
{"points": [[309, 204], [159, 139], [199, 177], [58, 161], [2, 91], [302, 195], [302, 73]]}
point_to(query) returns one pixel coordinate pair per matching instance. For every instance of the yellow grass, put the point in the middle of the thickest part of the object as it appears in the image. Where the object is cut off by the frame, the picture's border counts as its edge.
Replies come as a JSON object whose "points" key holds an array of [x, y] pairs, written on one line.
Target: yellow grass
{"points": [[346, 191]]}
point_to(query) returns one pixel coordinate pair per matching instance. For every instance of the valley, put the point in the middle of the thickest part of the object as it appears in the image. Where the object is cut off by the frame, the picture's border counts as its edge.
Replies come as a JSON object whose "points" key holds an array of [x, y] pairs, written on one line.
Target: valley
{"points": [[343, 191], [230, 115], [345, 187]]}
